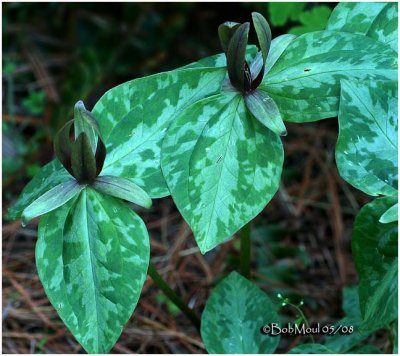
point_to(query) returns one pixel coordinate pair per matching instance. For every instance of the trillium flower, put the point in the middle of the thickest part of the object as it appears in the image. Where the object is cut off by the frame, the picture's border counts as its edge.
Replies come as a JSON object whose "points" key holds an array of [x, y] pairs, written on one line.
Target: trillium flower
{"points": [[83, 158]]}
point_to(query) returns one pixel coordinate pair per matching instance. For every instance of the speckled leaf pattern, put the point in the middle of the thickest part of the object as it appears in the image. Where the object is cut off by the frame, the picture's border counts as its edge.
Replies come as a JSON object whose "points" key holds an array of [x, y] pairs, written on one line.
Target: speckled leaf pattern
{"points": [[385, 27], [305, 80], [374, 247], [222, 167], [233, 316], [356, 17], [49, 176], [92, 257], [375, 20], [366, 151], [133, 147]]}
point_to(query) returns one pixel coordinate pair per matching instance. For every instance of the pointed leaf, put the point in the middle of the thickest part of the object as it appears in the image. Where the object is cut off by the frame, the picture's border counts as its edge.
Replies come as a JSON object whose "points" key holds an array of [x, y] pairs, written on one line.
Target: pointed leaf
{"points": [[51, 200], [263, 33], [221, 165], [366, 150], [83, 160], [92, 258], [390, 215], [225, 32], [236, 56], [374, 247], [49, 176], [62, 146], [233, 316], [375, 20], [305, 80], [265, 110], [122, 188], [133, 147]]}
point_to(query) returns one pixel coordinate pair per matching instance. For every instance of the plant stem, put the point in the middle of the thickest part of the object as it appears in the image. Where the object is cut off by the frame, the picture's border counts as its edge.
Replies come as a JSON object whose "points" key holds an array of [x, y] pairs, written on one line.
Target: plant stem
{"points": [[245, 250], [163, 285], [304, 318]]}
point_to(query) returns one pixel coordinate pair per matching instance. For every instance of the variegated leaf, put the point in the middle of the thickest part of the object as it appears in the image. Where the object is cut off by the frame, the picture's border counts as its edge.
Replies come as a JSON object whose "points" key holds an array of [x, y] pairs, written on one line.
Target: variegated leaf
{"points": [[385, 27], [366, 151], [375, 20], [134, 144], [374, 247], [92, 258], [356, 17], [233, 316], [305, 80], [221, 165], [49, 176]]}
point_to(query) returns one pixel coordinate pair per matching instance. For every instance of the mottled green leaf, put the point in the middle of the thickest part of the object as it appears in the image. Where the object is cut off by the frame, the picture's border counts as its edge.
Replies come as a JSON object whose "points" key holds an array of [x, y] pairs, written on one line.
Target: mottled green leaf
{"points": [[390, 215], [221, 165], [366, 151], [51, 200], [373, 19], [122, 188], [385, 26], [356, 17], [311, 349], [265, 110], [138, 114], [233, 316], [374, 247], [305, 80], [49, 176], [92, 257]]}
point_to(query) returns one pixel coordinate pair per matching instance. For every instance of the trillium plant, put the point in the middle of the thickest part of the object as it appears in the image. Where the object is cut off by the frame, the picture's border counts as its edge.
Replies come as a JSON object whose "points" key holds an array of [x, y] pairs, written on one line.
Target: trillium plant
{"points": [[209, 135]]}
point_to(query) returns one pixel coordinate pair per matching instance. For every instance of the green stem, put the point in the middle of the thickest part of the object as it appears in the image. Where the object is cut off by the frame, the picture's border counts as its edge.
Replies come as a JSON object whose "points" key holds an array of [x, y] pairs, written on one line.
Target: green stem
{"points": [[245, 250], [304, 318], [163, 285]]}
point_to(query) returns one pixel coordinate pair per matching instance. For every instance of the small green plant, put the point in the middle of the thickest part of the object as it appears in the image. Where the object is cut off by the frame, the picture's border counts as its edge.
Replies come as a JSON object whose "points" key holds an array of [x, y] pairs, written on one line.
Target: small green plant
{"points": [[209, 134]]}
